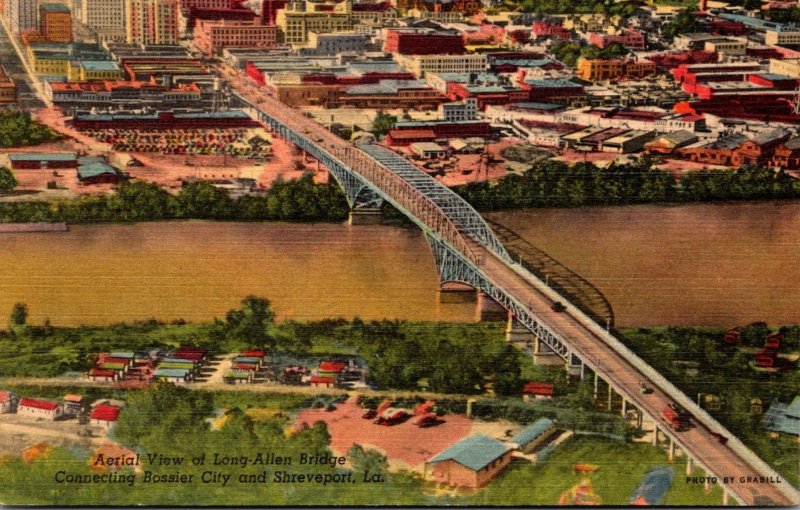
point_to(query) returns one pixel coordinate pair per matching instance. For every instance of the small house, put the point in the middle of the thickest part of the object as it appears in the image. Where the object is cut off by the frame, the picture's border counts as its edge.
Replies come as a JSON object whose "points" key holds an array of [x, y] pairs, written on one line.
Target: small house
{"points": [[756, 406], [46, 409], [8, 402], [249, 360], [533, 435], [782, 419], [101, 374], [173, 375], [537, 390], [711, 403], [322, 382], [104, 415], [733, 336], [472, 462], [238, 377]]}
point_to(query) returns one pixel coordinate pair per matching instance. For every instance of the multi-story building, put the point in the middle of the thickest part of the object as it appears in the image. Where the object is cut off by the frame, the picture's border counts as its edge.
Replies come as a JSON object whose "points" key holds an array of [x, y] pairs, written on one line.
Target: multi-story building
{"points": [[55, 22], [187, 5], [459, 110], [297, 19], [334, 44], [151, 21], [781, 37], [628, 38], [611, 69], [21, 15], [547, 28], [125, 94], [422, 64], [374, 14], [106, 18], [210, 36], [411, 41]]}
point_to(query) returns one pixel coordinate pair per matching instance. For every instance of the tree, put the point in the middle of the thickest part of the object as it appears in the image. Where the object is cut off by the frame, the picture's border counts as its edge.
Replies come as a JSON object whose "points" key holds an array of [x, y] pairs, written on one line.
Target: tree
{"points": [[364, 460], [252, 323], [382, 124], [19, 318], [7, 180]]}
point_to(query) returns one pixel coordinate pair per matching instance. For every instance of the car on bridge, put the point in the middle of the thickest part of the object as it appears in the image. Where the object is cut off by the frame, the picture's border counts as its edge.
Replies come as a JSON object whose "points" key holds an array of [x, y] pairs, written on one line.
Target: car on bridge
{"points": [[558, 306]]}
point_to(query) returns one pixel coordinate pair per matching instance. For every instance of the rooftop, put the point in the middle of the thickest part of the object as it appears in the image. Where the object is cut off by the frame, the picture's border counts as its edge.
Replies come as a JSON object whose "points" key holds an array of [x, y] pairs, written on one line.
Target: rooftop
{"points": [[532, 431], [54, 8], [474, 452]]}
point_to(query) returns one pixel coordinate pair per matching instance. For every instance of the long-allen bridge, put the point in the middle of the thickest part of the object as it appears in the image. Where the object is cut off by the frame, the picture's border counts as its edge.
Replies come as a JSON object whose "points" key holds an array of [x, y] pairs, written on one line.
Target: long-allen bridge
{"points": [[468, 252]]}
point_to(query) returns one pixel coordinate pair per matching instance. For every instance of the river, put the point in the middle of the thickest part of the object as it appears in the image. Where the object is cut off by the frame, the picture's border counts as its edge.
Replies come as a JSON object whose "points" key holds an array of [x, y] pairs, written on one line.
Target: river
{"points": [[690, 265]]}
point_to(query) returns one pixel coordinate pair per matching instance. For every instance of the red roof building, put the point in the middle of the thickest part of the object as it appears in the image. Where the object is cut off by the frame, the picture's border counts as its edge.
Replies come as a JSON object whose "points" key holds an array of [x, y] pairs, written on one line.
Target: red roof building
{"points": [[537, 390], [417, 42], [37, 407], [322, 382], [332, 367], [105, 415], [100, 374], [254, 353]]}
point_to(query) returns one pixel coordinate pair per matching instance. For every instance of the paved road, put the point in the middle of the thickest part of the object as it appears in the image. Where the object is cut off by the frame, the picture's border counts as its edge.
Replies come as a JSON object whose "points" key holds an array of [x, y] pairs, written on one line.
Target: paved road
{"points": [[626, 378], [591, 347]]}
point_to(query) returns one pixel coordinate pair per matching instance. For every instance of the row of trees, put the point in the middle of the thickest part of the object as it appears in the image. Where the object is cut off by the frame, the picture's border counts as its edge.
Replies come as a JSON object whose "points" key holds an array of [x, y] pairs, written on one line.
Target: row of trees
{"points": [[299, 200], [555, 183]]}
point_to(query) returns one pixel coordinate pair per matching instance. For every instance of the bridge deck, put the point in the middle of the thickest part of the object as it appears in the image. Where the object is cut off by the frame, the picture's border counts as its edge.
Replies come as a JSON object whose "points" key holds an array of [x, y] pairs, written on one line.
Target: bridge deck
{"points": [[624, 371]]}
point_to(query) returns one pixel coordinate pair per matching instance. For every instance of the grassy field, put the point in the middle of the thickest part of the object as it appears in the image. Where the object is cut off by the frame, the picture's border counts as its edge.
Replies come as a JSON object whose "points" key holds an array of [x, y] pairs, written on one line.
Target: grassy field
{"points": [[621, 469]]}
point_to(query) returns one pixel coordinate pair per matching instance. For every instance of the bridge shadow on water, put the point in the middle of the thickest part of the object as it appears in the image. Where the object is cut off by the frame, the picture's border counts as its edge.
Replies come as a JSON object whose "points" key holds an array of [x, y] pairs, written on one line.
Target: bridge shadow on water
{"points": [[580, 291]]}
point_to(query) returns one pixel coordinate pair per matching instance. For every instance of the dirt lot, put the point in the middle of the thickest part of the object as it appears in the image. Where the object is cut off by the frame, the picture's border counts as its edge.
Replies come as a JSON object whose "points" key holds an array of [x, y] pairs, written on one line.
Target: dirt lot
{"points": [[18, 432], [406, 445]]}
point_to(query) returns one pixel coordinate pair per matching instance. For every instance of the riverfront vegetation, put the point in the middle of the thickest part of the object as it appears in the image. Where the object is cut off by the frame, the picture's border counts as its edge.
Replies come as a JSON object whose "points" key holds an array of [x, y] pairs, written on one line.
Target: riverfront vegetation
{"points": [[174, 422], [547, 184], [17, 129], [558, 184], [298, 200], [698, 362]]}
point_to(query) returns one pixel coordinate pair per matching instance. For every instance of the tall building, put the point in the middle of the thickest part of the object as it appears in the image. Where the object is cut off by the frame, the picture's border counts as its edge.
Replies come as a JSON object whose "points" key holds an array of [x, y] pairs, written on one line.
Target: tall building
{"points": [[297, 19], [21, 15], [152, 21], [106, 18], [55, 22]]}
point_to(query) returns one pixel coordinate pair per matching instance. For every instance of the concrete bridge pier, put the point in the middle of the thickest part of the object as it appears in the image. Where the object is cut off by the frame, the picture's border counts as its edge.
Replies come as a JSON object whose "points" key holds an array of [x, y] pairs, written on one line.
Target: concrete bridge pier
{"points": [[596, 381], [518, 335], [725, 497], [671, 450], [490, 310], [639, 419], [543, 355], [365, 216], [689, 466], [455, 292], [574, 366], [655, 435]]}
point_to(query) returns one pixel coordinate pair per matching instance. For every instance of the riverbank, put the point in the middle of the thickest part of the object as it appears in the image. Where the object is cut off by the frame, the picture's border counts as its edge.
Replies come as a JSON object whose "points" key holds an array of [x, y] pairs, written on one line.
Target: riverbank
{"points": [[21, 228]]}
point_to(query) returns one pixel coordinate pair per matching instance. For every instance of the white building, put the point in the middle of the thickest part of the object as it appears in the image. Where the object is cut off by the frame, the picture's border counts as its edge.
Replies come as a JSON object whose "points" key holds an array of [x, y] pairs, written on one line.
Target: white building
{"points": [[459, 110], [422, 64], [335, 43]]}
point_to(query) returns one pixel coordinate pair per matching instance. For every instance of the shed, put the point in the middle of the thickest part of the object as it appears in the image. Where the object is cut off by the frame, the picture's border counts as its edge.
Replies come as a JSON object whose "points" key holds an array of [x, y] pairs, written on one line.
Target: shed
{"points": [[428, 150], [175, 375], [533, 435], [101, 374], [472, 462]]}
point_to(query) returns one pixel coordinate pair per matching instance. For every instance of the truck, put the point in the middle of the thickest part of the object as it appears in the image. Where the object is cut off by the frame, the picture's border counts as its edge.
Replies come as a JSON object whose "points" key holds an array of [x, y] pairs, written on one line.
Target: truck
{"points": [[677, 417]]}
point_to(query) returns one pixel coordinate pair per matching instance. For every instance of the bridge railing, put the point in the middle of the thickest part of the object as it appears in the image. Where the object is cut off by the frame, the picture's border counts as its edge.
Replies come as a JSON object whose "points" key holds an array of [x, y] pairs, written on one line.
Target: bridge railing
{"points": [[700, 414]]}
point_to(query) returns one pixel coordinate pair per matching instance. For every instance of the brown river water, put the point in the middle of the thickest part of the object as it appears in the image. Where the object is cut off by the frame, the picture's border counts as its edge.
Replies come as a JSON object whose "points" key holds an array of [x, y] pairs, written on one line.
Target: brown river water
{"points": [[688, 265]]}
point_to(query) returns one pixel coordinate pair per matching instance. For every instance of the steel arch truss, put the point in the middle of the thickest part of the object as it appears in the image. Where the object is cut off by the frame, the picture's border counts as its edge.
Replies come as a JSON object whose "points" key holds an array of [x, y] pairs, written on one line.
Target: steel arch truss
{"points": [[463, 215], [359, 193], [453, 267]]}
